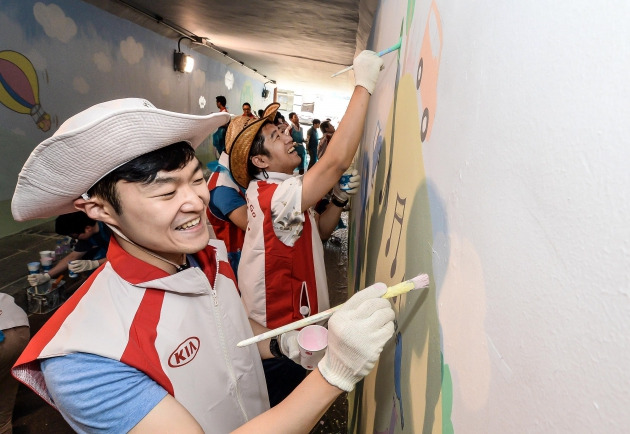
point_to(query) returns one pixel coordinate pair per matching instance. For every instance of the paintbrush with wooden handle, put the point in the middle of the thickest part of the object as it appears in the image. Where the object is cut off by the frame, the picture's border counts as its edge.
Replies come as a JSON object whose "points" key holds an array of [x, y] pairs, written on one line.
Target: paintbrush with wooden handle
{"points": [[420, 281]]}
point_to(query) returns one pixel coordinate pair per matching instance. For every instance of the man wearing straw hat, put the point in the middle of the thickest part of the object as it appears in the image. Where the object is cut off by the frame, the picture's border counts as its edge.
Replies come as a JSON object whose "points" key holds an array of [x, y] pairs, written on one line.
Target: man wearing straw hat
{"points": [[282, 275], [148, 343]]}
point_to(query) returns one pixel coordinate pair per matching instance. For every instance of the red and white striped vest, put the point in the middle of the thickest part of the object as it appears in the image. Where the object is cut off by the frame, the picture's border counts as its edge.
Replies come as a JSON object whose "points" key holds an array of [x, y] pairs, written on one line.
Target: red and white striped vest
{"points": [[181, 330], [280, 284]]}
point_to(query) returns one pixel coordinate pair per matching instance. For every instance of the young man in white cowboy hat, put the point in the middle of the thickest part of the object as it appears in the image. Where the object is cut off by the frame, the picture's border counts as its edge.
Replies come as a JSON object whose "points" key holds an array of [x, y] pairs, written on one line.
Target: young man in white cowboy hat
{"points": [[148, 343], [282, 276]]}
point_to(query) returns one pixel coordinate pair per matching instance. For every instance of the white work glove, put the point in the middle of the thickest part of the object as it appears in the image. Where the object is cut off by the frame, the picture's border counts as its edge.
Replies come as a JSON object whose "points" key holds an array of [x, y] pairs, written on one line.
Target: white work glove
{"points": [[289, 345], [38, 279], [353, 186], [367, 66], [356, 335], [81, 265]]}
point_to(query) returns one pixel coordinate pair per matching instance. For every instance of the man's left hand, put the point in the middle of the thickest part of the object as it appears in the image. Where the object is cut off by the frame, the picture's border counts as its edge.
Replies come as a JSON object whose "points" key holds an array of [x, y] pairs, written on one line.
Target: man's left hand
{"points": [[80, 265], [343, 191]]}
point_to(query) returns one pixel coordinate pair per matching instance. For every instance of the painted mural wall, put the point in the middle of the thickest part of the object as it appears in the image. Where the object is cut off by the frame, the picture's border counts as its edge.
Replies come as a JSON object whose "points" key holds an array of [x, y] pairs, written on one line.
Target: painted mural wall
{"points": [[58, 58], [496, 159]]}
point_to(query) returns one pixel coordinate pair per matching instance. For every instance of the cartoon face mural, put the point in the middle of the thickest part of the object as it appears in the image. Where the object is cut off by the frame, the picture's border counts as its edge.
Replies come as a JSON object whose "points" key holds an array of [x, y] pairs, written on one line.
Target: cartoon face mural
{"points": [[422, 60], [427, 71]]}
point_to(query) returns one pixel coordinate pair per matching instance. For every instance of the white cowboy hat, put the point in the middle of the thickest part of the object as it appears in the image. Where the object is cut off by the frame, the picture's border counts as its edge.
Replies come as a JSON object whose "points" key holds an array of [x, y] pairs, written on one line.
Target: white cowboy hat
{"points": [[94, 142]]}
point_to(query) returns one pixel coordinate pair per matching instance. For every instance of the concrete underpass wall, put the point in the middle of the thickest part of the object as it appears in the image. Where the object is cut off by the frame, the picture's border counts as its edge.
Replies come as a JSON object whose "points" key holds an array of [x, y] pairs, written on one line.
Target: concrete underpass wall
{"points": [[68, 55]]}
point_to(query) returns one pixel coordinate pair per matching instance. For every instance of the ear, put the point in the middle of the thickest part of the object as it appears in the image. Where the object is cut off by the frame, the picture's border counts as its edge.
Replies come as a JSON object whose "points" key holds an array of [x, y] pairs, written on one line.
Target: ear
{"points": [[260, 161], [97, 209]]}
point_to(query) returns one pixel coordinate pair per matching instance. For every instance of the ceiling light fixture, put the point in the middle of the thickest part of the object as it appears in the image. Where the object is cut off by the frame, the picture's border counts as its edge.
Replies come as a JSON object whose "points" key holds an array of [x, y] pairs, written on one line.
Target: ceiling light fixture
{"points": [[265, 91], [184, 32], [183, 62]]}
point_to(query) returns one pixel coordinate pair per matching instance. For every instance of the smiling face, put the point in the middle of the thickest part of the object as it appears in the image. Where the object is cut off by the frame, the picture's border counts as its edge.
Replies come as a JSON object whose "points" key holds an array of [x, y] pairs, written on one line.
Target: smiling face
{"points": [[283, 157], [247, 110], [166, 216]]}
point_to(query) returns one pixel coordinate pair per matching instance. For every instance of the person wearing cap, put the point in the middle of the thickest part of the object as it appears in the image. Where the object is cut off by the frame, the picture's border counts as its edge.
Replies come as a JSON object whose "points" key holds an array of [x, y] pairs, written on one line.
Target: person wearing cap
{"points": [[282, 275], [87, 254], [148, 343]]}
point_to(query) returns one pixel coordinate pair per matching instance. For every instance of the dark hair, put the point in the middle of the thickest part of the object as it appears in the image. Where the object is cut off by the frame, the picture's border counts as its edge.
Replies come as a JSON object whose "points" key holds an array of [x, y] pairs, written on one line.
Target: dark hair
{"points": [[221, 99], [261, 112], [73, 223], [248, 104], [142, 169], [291, 114], [316, 121], [257, 148], [324, 126]]}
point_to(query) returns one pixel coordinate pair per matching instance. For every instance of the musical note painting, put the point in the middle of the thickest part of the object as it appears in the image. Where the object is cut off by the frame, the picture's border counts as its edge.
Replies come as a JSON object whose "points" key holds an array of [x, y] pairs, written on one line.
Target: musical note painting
{"points": [[391, 232]]}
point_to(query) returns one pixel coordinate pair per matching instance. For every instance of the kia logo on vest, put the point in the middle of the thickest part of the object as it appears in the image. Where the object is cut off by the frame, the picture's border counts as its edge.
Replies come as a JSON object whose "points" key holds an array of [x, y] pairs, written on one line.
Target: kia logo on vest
{"points": [[185, 352]]}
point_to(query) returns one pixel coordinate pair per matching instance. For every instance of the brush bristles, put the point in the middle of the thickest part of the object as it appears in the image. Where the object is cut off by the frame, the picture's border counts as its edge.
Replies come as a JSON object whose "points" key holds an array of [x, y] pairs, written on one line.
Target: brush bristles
{"points": [[420, 281]]}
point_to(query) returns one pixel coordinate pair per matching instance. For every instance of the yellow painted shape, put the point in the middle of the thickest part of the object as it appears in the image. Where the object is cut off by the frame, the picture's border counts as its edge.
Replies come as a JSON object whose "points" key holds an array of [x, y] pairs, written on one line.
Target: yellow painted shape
{"points": [[417, 313]]}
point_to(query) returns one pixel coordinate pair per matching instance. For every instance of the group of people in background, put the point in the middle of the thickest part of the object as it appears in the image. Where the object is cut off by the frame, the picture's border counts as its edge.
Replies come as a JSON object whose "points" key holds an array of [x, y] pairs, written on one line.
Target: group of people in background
{"points": [[313, 144]]}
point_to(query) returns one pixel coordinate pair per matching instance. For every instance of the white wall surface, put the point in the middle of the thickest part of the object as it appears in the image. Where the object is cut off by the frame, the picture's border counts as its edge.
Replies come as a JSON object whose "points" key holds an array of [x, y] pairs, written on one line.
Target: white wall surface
{"points": [[530, 159]]}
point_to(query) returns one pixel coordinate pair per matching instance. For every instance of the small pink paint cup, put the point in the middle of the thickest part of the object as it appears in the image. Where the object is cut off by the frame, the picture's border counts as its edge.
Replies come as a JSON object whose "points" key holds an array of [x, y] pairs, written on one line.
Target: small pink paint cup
{"points": [[313, 340]]}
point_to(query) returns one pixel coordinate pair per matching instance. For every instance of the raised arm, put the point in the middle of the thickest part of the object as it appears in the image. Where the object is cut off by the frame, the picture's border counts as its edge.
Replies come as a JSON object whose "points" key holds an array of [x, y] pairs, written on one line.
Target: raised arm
{"points": [[321, 178]]}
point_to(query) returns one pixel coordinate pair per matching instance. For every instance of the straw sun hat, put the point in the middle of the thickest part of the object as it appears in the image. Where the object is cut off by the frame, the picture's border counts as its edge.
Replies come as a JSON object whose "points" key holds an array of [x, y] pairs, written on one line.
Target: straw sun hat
{"points": [[93, 143], [244, 132]]}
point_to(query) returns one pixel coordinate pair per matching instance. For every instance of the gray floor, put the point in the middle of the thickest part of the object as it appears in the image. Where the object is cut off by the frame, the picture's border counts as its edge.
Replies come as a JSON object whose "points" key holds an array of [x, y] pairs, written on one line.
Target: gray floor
{"points": [[32, 414], [18, 250]]}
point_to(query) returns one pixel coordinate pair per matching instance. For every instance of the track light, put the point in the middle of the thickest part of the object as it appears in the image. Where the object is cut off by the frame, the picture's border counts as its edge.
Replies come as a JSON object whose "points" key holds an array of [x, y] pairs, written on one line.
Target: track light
{"points": [[183, 62]]}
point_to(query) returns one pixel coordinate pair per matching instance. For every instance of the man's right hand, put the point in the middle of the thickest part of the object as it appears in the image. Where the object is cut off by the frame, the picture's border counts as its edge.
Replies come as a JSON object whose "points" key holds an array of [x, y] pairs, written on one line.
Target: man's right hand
{"points": [[289, 345], [367, 66], [38, 279], [356, 335]]}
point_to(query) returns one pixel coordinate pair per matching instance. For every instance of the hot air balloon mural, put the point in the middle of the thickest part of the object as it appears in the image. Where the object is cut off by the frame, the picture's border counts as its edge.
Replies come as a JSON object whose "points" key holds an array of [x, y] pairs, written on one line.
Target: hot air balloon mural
{"points": [[19, 88]]}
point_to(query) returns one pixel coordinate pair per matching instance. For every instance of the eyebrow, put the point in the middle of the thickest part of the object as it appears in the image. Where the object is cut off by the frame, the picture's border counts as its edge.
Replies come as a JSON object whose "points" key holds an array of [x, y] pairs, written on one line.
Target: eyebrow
{"points": [[160, 180]]}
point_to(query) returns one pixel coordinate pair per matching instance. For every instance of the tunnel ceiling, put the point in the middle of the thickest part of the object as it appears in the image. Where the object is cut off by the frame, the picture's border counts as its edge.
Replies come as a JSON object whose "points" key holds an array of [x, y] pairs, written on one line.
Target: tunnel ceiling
{"points": [[299, 44]]}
